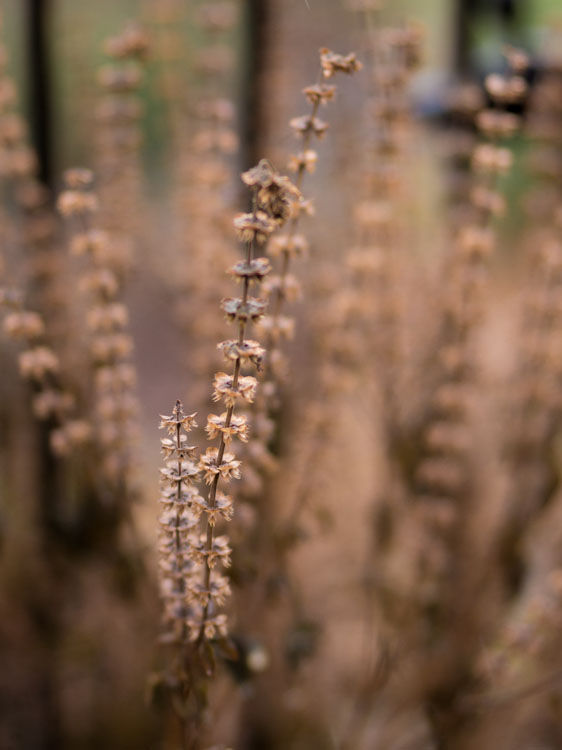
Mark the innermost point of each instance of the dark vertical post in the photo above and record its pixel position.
(258, 18)
(39, 107)
(39, 85)
(464, 12)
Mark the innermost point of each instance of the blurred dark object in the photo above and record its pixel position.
(509, 13)
(39, 85)
(253, 125)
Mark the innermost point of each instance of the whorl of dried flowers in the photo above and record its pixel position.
(533, 430)
(110, 343)
(192, 587)
(282, 286)
(119, 137)
(360, 325)
(443, 475)
(53, 402)
(273, 196)
(539, 411)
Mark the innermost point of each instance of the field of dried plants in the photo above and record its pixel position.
(281, 390)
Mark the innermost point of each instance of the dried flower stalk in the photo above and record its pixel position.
(110, 343)
(192, 589)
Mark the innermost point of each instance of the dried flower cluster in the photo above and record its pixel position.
(282, 286)
(119, 114)
(109, 342)
(40, 365)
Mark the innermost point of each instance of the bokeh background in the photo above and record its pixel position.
(337, 642)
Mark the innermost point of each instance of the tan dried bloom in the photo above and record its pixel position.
(238, 427)
(371, 213)
(78, 178)
(106, 318)
(306, 124)
(75, 202)
(262, 175)
(213, 627)
(120, 79)
(221, 110)
(319, 93)
(51, 402)
(366, 260)
(73, 433)
(218, 552)
(111, 346)
(23, 325)
(222, 508)
(294, 245)
(217, 591)
(276, 194)
(505, 90)
(177, 419)
(176, 475)
(117, 377)
(288, 287)
(177, 449)
(333, 63)
(173, 524)
(303, 161)
(488, 200)
(227, 469)
(254, 271)
(118, 407)
(252, 227)
(236, 309)
(102, 282)
(131, 43)
(224, 388)
(492, 159)
(247, 350)
(119, 111)
(277, 327)
(476, 241)
(94, 241)
(497, 124)
(38, 362)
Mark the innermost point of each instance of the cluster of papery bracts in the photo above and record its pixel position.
(192, 588)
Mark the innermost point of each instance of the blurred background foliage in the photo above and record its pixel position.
(81, 645)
